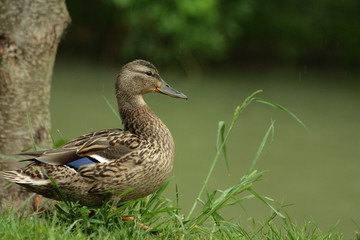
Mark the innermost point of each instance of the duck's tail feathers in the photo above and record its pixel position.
(19, 177)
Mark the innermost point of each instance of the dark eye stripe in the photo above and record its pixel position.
(155, 75)
(146, 64)
(143, 72)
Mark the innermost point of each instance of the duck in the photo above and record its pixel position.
(128, 163)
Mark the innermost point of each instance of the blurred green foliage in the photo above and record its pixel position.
(320, 31)
(189, 31)
(166, 30)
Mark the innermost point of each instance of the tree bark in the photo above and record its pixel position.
(30, 31)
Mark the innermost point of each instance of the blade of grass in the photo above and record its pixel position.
(282, 108)
(58, 190)
(237, 112)
(112, 108)
(26, 202)
(219, 139)
(9, 157)
(31, 131)
(215, 204)
(177, 199)
(262, 199)
(262, 145)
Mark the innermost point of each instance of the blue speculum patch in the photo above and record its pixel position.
(81, 162)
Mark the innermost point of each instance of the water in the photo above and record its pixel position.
(316, 170)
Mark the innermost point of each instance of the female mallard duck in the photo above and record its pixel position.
(86, 169)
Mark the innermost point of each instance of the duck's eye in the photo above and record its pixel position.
(149, 73)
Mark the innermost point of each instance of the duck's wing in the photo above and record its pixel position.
(100, 146)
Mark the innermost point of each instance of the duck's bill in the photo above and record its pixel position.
(166, 89)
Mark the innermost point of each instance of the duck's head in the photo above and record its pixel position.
(140, 77)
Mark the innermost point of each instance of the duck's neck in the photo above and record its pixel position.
(139, 119)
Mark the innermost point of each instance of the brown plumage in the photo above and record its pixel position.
(86, 169)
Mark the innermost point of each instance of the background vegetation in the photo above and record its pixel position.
(322, 32)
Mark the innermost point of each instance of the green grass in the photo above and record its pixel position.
(76, 222)
(204, 221)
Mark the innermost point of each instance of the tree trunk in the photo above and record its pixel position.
(30, 31)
